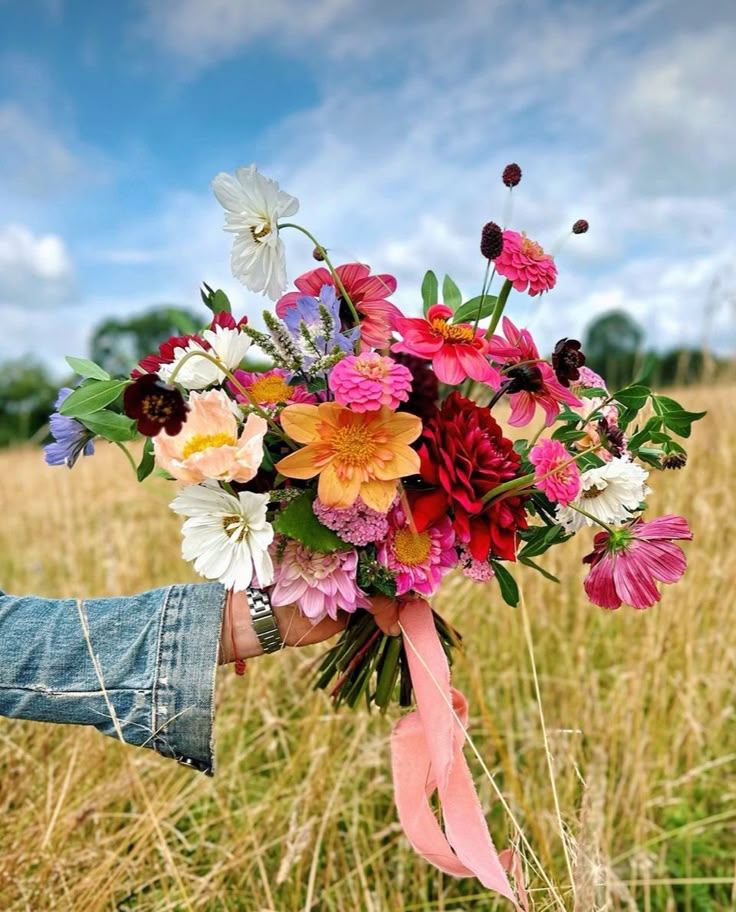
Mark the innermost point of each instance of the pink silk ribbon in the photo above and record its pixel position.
(427, 755)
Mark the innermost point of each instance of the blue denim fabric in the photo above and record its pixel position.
(157, 655)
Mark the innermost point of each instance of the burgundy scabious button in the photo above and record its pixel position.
(567, 359)
(491, 241)
(155, 405)
(511, 175)
(580, 227)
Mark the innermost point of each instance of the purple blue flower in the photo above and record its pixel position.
(320, 318)
(71, 437)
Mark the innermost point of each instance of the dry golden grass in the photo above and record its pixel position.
(638, 709)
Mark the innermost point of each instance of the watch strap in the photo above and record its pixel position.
(264, 622)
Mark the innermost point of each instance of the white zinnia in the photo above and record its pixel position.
(253, 206)
(226, 537)
(229, 345)
(609, 493)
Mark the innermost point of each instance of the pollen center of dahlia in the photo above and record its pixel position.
(592, 491)
(200, 442)
(452, 332)
(235, 527)
(412, 548)
(532, 249)
(271, 389)
(353, 445)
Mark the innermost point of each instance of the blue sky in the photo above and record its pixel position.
(391, 123)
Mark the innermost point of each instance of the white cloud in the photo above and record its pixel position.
(36, 271)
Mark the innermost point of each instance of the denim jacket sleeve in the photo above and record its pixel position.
(153, 678)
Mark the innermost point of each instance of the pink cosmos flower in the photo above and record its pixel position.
(208, 445)
(269, 389)
(626, 566)
(358, 524)
(534, 381)
(368, 293)
(367, 381)
(320, 584)
(456, 351)
(553, 472)
(525, 264)
(419, 559)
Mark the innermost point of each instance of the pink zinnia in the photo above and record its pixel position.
(419, 559)
(525, 264)
(368, 293)
(455, 349)
(358, 524)
(535, 382)
(367, 381)
(269, 389)
(554, 473)
(319, 584)
(626, 566)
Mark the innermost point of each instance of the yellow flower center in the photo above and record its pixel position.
(271, 389)
(200, 442)
(412, 548)
(373, 368)
(258, 234)
(235, 527)
(353, 445)
(452, 332)
(532, 249)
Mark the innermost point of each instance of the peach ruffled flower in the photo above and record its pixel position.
(208, 446)
(354, 453)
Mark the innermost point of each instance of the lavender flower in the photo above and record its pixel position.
(314, 324)
(71, 437)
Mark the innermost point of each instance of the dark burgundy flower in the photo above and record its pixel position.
(155, 405)
(567, 359)
(673, 460)
(526, 378)
(425, 387)
(511, 175)
(612, 437)
(580, 227)
(464, 455)
(491, 241)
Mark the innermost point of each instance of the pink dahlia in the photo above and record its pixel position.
(269, 389)
(320, 584)
(529, 381)
(368, 293)
(456, 350)
(358, 524)
(525, 264)
(367, 381)
(554, 473)
(419, 559)
(626, 565)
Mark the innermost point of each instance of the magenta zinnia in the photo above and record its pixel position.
(367, 381)
(554, 472)
(626, 565)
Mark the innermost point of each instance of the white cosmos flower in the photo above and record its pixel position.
(229, 345)
(226, 537)
(253, 206)
(610, 493)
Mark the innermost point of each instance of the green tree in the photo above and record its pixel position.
(612, 346)
(27, 396)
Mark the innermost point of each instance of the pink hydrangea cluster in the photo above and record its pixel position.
(478, 571)
(367, 381)
(588, 379)
(358, 524)
(525, 264)
(553, 472)
(319, 584)
(419, 559)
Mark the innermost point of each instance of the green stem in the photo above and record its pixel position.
(333, 272)
(520, 482)
(483, 293)
(498, 309)
(128, 455)
(595, 519)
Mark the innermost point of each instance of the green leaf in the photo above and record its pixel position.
(110, 425)
(92, 397)
(145, 466)
(509, 589)
(217, 301)
(451, 294)
(297, 520)
(634, 396)
(86, 368)
(430, 288)
(545, 573)
(468, 312)
(593, 393)
(674, 416)
(642, 436)
(540, 540)
(567, 434)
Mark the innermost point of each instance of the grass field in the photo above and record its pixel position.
(639, 709)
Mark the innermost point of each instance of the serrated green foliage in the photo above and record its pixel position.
(111, 425)
(430, 290)
(472, 310)
(86, 368)
(297, 520)
(92, 396)
(451, 294)
(147, 463)
(507, 584)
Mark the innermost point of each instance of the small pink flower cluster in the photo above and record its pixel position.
(358, 524)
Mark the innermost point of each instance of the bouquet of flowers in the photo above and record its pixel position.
(366, 459)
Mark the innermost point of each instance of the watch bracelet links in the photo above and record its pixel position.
(264, 622)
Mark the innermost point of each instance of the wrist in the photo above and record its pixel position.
(238, 638)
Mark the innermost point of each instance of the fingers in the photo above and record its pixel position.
(385, 610)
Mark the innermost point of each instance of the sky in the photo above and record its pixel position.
(391, 123)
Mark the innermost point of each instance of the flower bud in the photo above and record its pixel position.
(491, 241)
(511, 175)
(673, 460)
(318, 255)
(580, 227)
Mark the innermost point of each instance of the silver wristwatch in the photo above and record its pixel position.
(264, 623)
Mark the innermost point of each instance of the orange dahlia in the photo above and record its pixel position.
(354, 453)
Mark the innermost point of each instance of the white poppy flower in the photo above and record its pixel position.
(226, 537)
(609, 493)
(253, 206)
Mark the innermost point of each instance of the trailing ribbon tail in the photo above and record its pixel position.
(427, 755)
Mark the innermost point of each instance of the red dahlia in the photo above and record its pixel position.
(463, 456)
